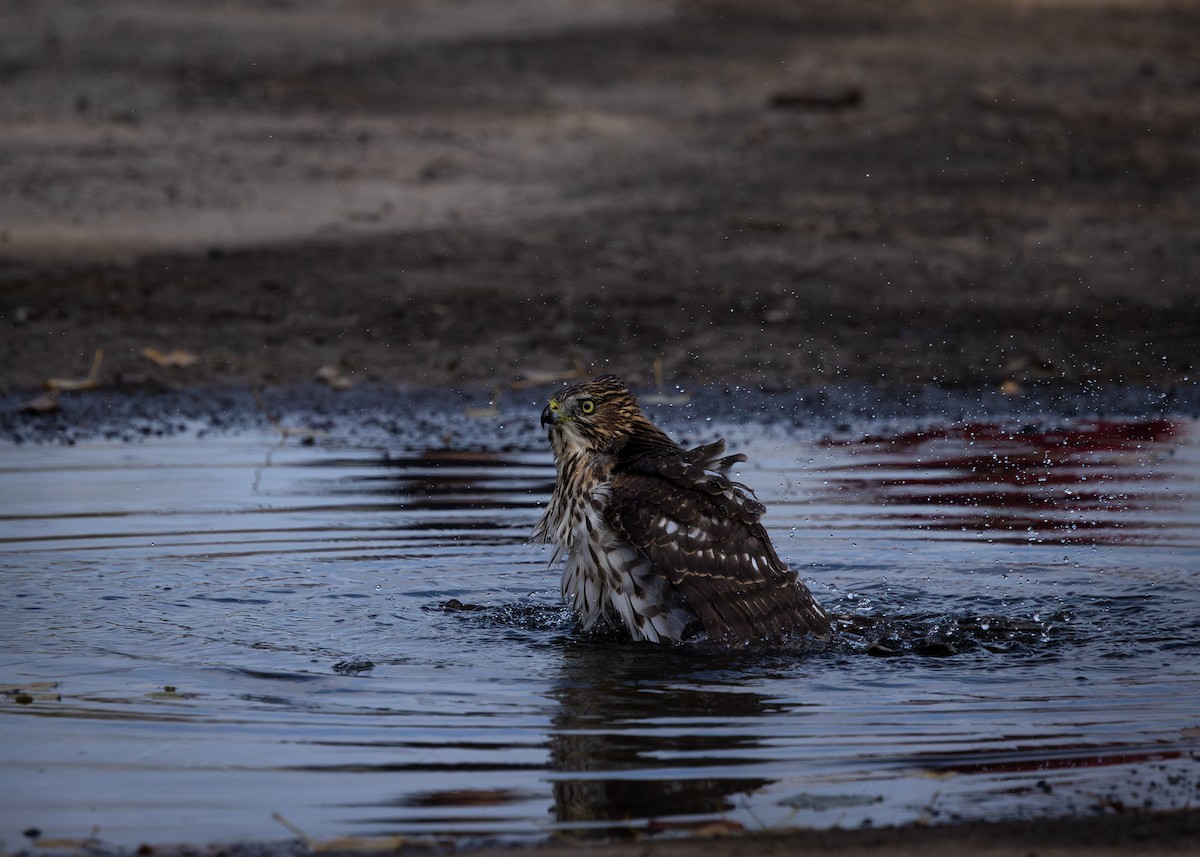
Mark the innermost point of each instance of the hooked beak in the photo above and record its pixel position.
(549, 417)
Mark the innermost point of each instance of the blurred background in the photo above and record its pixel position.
(443, 192)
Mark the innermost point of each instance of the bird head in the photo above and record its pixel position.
(595, 416)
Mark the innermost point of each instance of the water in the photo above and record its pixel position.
(187, 621)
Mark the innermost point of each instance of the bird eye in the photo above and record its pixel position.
(587, 406)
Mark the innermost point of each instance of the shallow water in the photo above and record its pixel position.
(185, 621)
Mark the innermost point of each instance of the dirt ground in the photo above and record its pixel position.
(1113, 835)
(445, 192)
(760, 191)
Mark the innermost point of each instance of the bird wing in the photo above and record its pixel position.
(701, 532)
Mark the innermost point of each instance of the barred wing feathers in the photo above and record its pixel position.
(701, 531)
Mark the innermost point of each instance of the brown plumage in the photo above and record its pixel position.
(657, 537)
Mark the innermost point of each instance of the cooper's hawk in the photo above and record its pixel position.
(657, 537)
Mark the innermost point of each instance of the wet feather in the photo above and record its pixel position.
(658, 538)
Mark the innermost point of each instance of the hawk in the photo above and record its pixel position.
(658, 538)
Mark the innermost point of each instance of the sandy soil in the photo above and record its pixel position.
(760, 191)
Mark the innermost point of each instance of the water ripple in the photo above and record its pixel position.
(1017, 604)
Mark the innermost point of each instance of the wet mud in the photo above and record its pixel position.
(484, 415)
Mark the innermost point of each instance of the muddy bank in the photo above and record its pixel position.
(1119, 833)
(895, 193)
(500, 417)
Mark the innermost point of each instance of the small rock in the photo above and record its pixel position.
(354, 665)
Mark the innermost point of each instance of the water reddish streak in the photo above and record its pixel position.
(1059, 480)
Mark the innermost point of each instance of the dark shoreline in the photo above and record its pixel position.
(384, 412)
(1116, 831)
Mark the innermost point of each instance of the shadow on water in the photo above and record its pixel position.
(362, 639)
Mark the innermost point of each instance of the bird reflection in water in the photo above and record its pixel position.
(642, 735)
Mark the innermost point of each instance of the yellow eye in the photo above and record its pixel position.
(587, 406)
